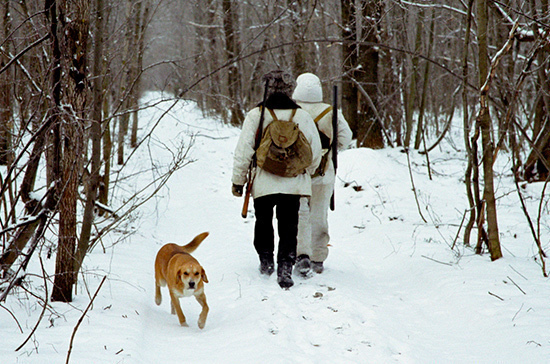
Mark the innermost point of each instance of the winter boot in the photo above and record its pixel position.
(266, 265)
(303, 265)
(317, 267)
(284, 275)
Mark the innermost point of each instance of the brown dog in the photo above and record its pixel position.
(184, 276)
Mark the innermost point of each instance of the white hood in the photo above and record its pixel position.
(308, 88)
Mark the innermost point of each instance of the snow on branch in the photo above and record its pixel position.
(437, 6)
(496, 59)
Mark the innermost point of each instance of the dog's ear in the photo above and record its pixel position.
(203, 276)
(178, 275)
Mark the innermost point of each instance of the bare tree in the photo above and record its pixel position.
(483, 122)
(231, 50)
(93, 181)
(6, 112)
(73, 16)
(350, 52)
(369, 130)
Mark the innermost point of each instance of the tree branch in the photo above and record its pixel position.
(82, 318)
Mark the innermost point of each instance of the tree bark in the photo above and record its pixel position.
(369, 130)
(74, 16)
(420, 127)
(6, 112)
(484, 122)
(471, 188)
(142, 20)
(297, 24)
(350, 93)
(92, 183)
(231, 50)
(534, 168)
(412, 94)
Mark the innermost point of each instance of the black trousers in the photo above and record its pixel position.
(286, 208)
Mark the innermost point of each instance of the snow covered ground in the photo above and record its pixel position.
(396, 289)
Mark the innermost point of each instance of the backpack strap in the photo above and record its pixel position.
(275, 116)
(321, 115)
(292, 114)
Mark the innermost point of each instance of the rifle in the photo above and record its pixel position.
(252, 168)
(334, 146)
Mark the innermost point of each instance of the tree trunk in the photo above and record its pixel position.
(126, 94)
(6, 112)
(142, 20)
(231, 50)
(470, 187)
(32, 206)
(74, 16)
(484, 122)
(107, 152)
(411, 97)
(299, 54)
(534, 167)
(92, 183)
(420, 127)
(350, 93)
(369, 130)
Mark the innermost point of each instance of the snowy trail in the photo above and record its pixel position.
(393, 290)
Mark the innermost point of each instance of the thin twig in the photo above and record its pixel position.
(494, 295)
(13, 316)
(511, 280)
(513, 318)
(460, 228)
(30, 46)
(515, 270)
(437, 261)
(82, 318)
(43, 308)
(413, 187)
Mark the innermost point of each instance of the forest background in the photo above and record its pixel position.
(72, 74)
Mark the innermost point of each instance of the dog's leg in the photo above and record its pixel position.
(158, 295)
(204, 313)
(176, 306)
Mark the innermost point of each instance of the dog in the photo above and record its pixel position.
(184, 276)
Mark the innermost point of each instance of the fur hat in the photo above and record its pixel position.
(308, 88)
(279, 81)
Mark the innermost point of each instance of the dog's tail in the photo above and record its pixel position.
(194, 244)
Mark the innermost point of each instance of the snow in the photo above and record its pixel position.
(396, 289)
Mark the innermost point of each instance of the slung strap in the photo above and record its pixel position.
(275, 116)
(292, 114)
(321, 115)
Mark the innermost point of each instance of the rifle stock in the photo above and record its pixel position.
(334, 146)
(244, 211)
(252, 167)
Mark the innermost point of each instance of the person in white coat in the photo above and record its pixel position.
(271, 191)
(313, 232)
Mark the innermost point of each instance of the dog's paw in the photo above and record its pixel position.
(184, 324)
(202, 323)
(158, 300)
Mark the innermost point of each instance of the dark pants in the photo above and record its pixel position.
(286, 208)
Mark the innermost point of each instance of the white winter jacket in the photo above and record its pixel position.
(266, 183)
(344, 136)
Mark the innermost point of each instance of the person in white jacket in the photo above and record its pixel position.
(270, 191)
(313, 234)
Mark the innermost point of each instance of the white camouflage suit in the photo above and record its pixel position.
(313, 234)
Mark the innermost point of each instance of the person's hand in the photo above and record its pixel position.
(237, 190)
